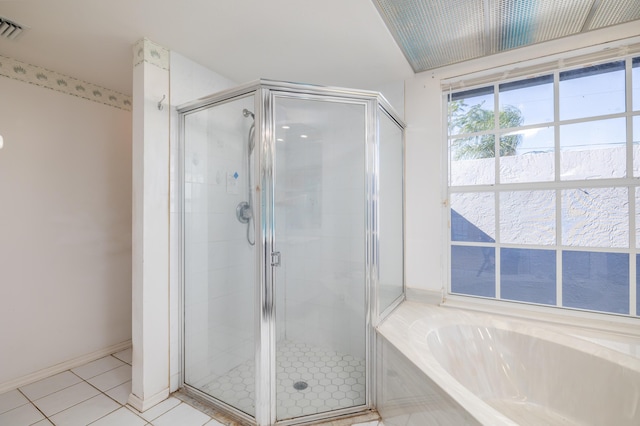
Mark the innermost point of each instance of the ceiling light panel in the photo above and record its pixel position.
(612, 12)
(520, 23)
(433, 33)
(512, 24)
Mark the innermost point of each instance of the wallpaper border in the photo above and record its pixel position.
(22, 71)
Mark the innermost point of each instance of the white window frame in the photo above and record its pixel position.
(558, 185)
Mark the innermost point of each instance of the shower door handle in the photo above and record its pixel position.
(275, 258)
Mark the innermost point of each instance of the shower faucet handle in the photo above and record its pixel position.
(244, 212)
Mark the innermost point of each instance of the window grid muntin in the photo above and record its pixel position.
(629, 182)
(605, 72)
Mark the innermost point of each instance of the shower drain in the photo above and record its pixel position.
(300, 385)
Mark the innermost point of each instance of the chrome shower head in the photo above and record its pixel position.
(248, 113)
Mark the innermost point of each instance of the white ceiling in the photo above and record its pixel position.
(329, 42)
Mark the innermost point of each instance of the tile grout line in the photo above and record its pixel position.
(105, 392)
(100, 392)
(32, 404)
(76, 404)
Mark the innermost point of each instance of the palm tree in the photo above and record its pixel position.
(478, 119)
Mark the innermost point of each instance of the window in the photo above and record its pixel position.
(544, 191)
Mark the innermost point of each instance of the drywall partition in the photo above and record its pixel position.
(65, 229)
(150, 256)
(426, 224)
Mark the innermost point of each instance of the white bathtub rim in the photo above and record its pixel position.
(574, 338)
(428, 364)
(584, 340)
(410, 336)
(598, 322)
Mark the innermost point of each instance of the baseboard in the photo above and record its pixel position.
(143, 405)
(64, 366)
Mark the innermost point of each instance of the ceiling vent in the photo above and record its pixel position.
(10, 29)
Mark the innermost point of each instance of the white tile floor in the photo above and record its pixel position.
(95, 394)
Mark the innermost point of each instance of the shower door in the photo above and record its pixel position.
(320, 295)
(220, 252)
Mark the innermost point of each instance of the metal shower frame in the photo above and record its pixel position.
(265, 92)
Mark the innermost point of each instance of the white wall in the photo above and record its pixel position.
(423, 184)
(393, 92)
(65, 228)
(425, 221)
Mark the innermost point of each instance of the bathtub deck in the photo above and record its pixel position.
(528, 414)
(479, 362)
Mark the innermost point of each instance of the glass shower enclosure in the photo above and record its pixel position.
(292, 244)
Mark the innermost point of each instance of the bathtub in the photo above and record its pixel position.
(446, 366)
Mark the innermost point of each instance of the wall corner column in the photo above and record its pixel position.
(150, 227)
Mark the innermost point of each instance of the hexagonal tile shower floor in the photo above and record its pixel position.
(334, 380)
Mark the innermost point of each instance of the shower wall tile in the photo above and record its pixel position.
(188, 81)
(218, 255)
(196, 261)
(343, 249)
(200, 327)
(299, 268)
(195, 223)
(341, 226)
(320, 261)
(199, 198)
(343, 201)
(217, 337)
(239, 248)
(221, 284)
(322, 311)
